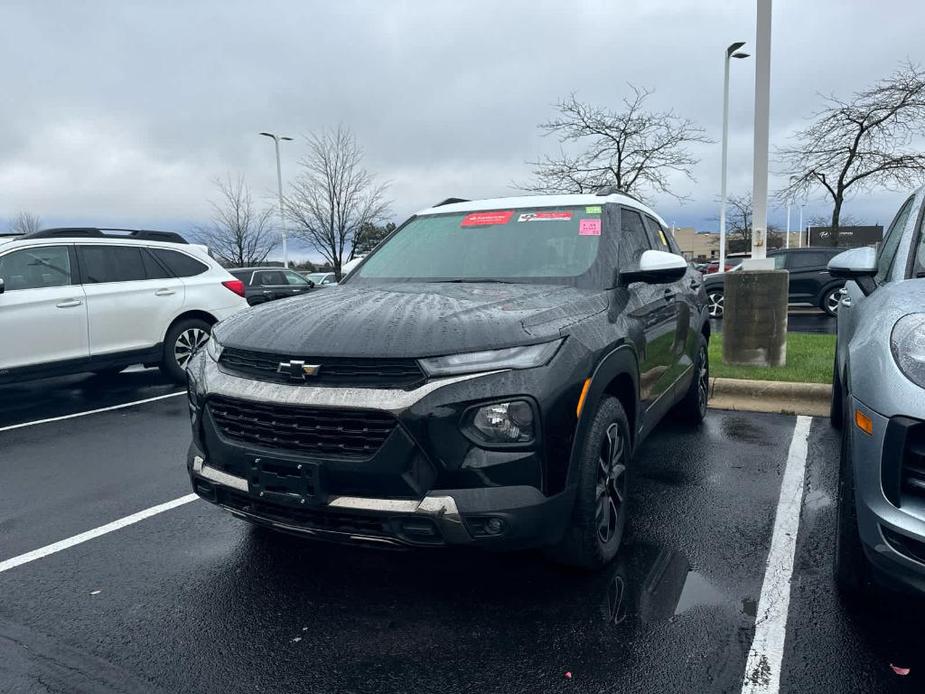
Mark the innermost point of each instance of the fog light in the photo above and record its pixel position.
(505, 422)
(494, 526)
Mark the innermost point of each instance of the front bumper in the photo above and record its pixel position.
(893, 537)
(497, 517)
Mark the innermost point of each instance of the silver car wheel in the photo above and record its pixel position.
(188, 343)
(715, 304)
(833, 300)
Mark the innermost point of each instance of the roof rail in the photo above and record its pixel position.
(613, 190)
(450, 201)
(95, 232)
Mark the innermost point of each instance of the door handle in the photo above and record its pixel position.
(70, 303)
(164, 292)
(695, 284)
(669, 295)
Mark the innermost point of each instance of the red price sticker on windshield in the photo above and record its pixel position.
(481, 219)
(589, 227)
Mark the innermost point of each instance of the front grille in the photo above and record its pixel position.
(335, 521)
(333, 371)
(913, 470)
(354, 434)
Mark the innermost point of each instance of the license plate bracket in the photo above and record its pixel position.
(295, 483)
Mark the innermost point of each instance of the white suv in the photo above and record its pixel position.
(74, 300)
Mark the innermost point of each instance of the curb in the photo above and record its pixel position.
(779, 397)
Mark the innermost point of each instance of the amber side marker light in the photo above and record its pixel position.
(581, 398)
(863, 422)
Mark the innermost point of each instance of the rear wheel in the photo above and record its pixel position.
(715, 303)
(183, 340)
(599, 516)
(693, 407)
(832, 300)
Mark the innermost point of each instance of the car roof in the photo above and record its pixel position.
(565, 200)
(194, 249)
(255, 269)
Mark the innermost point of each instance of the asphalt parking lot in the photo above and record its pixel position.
(191, 599)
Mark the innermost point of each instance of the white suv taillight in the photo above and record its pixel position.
(237, 286)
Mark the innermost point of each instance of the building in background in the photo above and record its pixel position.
(846, 237)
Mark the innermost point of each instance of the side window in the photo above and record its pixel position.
(101, 264)
(633, 237)
(295, 278)
(271, 278)
(802, 261)
(890, 244)
(153, 269)
(34, 268)
(658, 236)
(180, 264)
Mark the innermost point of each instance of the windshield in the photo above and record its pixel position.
(506, 245)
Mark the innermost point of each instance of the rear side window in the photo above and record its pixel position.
(180, 264)
(34, 268)
(890, 244)
(100, 264)
(270, 278)
(153, 269)
(799, 261)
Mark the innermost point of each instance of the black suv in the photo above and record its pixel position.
(262, 284)
(810, 281)
(482, 378)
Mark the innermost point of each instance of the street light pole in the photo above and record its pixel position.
(800, 237)
(279, 185)
(731, 52)
(762, 127)
(789, 203)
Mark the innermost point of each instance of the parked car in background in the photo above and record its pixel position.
(811, 283)
(500, 362)
(87, 299)
(322, 279)
(262, 284)
(878, 400)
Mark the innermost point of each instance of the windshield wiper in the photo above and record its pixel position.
(474, 280)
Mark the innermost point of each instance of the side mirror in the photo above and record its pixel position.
(655, 267)
(311, 285)
(858, 264)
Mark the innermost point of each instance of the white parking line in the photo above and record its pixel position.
(84, 414)
(762, 671)
(8, 564)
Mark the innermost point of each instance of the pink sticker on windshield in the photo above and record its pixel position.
(589, 227)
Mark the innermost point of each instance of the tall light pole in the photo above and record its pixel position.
(279, 185)
(762, 128)
(789, 202)
(800, 236)
(731, 52)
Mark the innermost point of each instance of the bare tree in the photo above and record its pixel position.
(25, 223)
(635, 149)
(334, 196)
(240, 234)
(862, 142)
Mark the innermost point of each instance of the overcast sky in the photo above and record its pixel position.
(121, 113)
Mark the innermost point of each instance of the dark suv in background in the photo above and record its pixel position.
(811, 284)
(262, 284)
(482, 378)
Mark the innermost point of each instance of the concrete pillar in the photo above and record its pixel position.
(755, 318)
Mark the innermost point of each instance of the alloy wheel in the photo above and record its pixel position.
(715, 304)
(611, 484)
(833, 300)
(188, 343)
(703, 380)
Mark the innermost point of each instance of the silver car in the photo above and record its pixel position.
(878, 399)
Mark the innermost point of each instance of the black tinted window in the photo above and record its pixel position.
(178, 263)
(269, 278)
(111, 264)
(243, 276)
(153, 269)
(798, 261)
(32, 268)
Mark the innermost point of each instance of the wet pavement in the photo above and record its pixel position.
(195, 600)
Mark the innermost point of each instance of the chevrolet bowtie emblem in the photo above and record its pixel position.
(298, 370)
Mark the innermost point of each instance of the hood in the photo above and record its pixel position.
(410, 320)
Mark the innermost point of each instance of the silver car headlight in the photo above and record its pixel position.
(214, 347)
(908, 346)
(525, 357)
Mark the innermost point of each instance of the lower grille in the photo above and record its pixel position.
(350, 523)
(332, 371)
(353, 434)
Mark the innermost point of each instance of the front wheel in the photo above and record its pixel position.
(183, 340)
(598, 519)
(852, 570)
(715, 303)
(832, 300)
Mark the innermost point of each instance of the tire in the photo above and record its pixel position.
(716, 303)
(851, 567)
(693, 406)
(837, 405)
(831, 300)
(184, 338)
(598, 519)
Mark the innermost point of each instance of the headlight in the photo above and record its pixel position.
(214, 347)
(503, 422)
(525, 357)
(908, 346)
